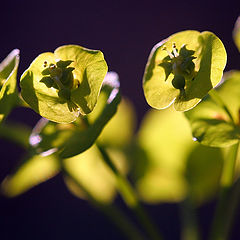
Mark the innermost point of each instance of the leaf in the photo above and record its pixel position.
(8, 83)
(164, 139)
(120, 129)
(229, 91)
(202, 71)
(77, 81)
(236, 33)
(32, 171)
(88, 175)
(215, 133)
(210, 124)
(203, 172)
(168, 164)
(18, 133)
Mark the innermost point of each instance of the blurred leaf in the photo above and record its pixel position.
(229, 91)
(8, 83)
(203, 172)
(236, 33)
(215, 133)
(62, 100)
(18, 133)
(210, 123)
(169, 156)
(33, 171)
(164, 153)
(120, 129)
(87, 173)
(210, 60)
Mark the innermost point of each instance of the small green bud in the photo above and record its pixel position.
(178, 82)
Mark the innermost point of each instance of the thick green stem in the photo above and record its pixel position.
(190, 229)
(111, 211)
(216, 98)
(130, 197)
(227, 198)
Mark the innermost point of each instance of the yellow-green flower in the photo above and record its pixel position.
(61, 85)
(183, 69)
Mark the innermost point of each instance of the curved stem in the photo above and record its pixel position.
(130, 197)
(227, 198)
(111, 211)
(216, 98)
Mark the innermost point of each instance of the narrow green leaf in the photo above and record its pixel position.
(113, 135)
(8, 83)
(15, 132)
(33, 171)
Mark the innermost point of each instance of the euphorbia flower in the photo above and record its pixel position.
(61, 85)
(183, 69)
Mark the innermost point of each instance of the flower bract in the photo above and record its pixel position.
(61, 85)
(183, 69)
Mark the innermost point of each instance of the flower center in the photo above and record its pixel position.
(180, 64)
(60, 77)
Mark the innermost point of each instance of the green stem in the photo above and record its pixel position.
(216, 98)
(130, 197)
(111, 211)
(190, 229)
(227, 198)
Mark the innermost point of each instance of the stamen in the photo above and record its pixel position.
(175, 50)
(45, 64)
(169, 53)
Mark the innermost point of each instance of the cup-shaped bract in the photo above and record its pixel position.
(183, 69)
(61, 85)
(8, 83)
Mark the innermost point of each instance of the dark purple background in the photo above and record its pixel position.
(125, 31)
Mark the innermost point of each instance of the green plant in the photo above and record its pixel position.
(87, 132)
